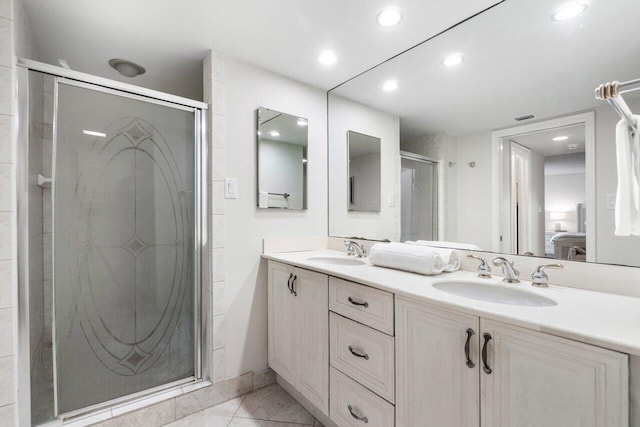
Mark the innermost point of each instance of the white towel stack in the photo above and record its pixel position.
(627, 213)
(413, 258)
(450, 256)
(449, 245)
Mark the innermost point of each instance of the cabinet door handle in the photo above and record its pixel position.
(486, 368)
(293, 286)
(357, 417)
(362, 304)
(467, 343)
(289, 283)
(355, 353)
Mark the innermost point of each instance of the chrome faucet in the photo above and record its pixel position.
(484, 270)
(354, 249)
(511, 275)
(539, 278)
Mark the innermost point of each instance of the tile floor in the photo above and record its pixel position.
(270, 406)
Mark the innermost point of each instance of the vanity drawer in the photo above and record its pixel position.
(351, 403)
(361, 303)
(364, 354)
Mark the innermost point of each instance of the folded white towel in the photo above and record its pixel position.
(413, 258)
(450, 256)
(627, 213)
(450, 245)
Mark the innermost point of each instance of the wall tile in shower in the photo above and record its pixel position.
(6, 49)
(6, 148)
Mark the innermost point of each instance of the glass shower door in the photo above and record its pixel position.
(123, 239)
(419, 199)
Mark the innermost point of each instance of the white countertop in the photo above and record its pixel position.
(602, 319)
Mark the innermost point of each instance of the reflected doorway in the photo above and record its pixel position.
(546, 189)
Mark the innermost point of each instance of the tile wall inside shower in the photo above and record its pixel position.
(41, 107)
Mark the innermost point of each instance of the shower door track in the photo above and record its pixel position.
(130, 402)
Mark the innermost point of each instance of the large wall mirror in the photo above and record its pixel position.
(282, 160)
(491, 135)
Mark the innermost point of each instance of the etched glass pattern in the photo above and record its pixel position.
(123, 245)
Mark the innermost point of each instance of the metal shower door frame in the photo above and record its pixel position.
(200, 248)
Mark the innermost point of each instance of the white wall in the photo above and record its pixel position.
(537, 203)
(346, 115)
(610, 248)
(562, 194)
(365, 171)
(472, 199)
(281, 171)
(245, 295)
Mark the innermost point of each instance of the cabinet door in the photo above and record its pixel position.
(539, 380)
(281, 321)
(312, 336)
(434, 385)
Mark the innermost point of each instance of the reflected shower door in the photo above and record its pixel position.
(123, 268)
(419, 199)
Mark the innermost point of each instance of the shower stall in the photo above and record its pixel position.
(419, 197)
(111, 241)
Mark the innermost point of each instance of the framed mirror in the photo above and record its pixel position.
(364, 172)
(282, 160)
(503, 105)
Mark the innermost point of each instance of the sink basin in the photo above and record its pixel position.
(494, 293)
(336, 260)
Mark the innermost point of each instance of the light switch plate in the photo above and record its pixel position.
(610, 203)
(391, 200)
(230, 188)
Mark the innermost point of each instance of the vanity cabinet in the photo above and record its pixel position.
(298, 341)
(435, 387)
(457, 370)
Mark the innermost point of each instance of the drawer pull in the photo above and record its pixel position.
(470, 333)
(357, 417)
(486, 368)
(362, 304)
(293, 284)
(355, 353)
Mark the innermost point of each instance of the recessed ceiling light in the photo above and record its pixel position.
(572, 146)
(569, 10)
(301, 122)
(389, 16)
(560, 138)
(390, 85)
(453, 60)
(327, 57)
(94, 133)
(274, 133)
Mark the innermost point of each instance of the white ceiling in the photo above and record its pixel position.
(362, 145)
(285, 124)
(169, 38)
(542, 142)
(518, 61)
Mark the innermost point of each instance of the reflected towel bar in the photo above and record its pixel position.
(285, 195)
(611, 92)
